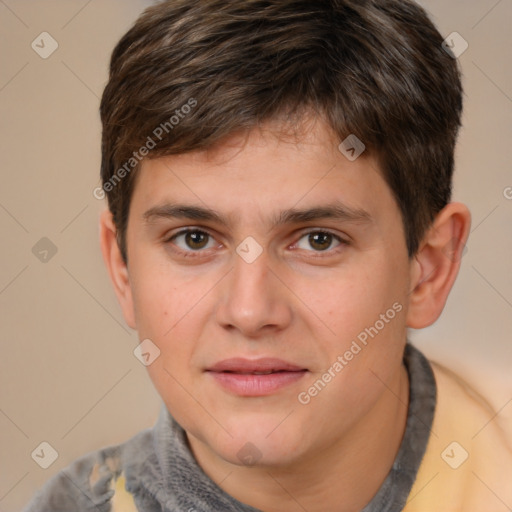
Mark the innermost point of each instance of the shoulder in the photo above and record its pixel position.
(468, 463)
(94, 482)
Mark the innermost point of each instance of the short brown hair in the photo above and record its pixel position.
(372, 68)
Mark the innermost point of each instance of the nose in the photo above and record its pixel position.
(254, 300)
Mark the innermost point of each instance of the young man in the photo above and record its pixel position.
(278, 176)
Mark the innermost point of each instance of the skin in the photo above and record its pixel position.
(296, 302)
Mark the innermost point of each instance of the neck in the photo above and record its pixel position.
(343, 478)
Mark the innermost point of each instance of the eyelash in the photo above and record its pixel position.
(197, 253)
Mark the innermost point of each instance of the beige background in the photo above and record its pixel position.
(68, 374)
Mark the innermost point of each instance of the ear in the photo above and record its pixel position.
(116, 267)
(436, 265)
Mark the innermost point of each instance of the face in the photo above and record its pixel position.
(273, 277)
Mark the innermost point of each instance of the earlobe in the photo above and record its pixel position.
(436, 265)
(116, 267)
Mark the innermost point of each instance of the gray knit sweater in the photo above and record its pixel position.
(163, 476)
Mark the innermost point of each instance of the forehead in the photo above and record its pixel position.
(264, 173)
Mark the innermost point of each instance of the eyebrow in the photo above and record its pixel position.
(336, 211)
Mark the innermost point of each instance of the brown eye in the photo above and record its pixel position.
(319, 241)
(196, 239)
(192, 240)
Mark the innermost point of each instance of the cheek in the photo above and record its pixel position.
(169, 312)
(369, 309)
(152, 304)
(161, 300)
(359, 298)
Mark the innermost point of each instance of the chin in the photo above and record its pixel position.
(250, 437)
(258, 444)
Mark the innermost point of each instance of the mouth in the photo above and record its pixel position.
(260, 377)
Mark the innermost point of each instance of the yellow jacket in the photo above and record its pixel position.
(467, 466)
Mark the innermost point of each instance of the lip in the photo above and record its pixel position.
(256, 377)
